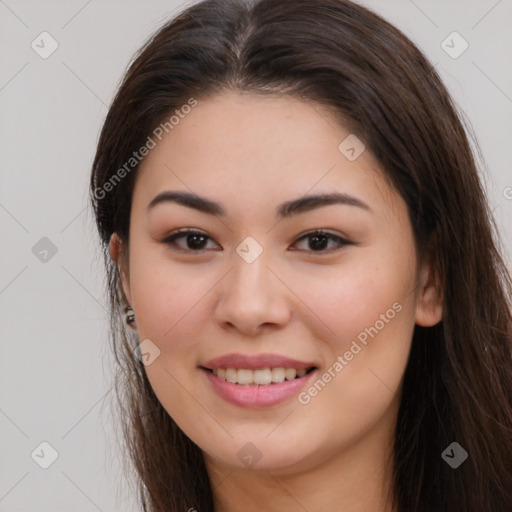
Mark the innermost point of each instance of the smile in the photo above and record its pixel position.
(261, 377)
(250, 392)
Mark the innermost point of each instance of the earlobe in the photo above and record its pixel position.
(115, 248)
(429, 303)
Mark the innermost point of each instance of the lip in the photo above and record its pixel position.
(254, 396)
(256, 362)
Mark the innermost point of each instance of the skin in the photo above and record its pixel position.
(251, 153)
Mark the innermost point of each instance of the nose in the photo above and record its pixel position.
(252, 298)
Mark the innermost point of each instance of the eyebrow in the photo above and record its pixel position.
(284, 210)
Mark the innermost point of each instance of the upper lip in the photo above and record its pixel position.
(256, 362)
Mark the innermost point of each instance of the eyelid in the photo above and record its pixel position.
(319, 231)
(180, 233)
(323, 232)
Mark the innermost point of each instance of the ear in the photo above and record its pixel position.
(429, 300)
(116, 253)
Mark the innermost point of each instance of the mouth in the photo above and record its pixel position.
(260, 388)
(259, 377)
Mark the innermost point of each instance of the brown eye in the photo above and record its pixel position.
(319, 241)
(195, 241)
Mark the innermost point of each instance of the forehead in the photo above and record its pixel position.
(251, 147)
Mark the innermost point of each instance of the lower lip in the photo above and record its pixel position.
(257, 396)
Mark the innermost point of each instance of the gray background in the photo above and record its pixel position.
(55, 368)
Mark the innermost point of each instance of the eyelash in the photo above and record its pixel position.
(170, 240)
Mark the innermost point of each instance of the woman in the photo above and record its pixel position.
(317, 316)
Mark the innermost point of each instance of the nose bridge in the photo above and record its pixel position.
(250, 279)
(251, 295)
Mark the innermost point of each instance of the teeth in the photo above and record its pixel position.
(291, 373)
(278, 374)
(231, 375)
(245, 376)
(261, 377)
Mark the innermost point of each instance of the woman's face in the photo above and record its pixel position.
(253, 288)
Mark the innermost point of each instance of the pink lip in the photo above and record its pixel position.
(255, 396)
(256, 362)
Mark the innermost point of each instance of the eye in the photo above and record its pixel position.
(195, 241)
(319, 240)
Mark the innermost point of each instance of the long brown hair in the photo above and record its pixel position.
(458, 381)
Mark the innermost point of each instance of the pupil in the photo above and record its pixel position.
(195, 245)
(324, 238)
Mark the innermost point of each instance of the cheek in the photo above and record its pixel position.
(371, 311)
(371, 315)
(170, 301)
(350, 297)
(171, 312)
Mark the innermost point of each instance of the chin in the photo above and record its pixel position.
(264, 455)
